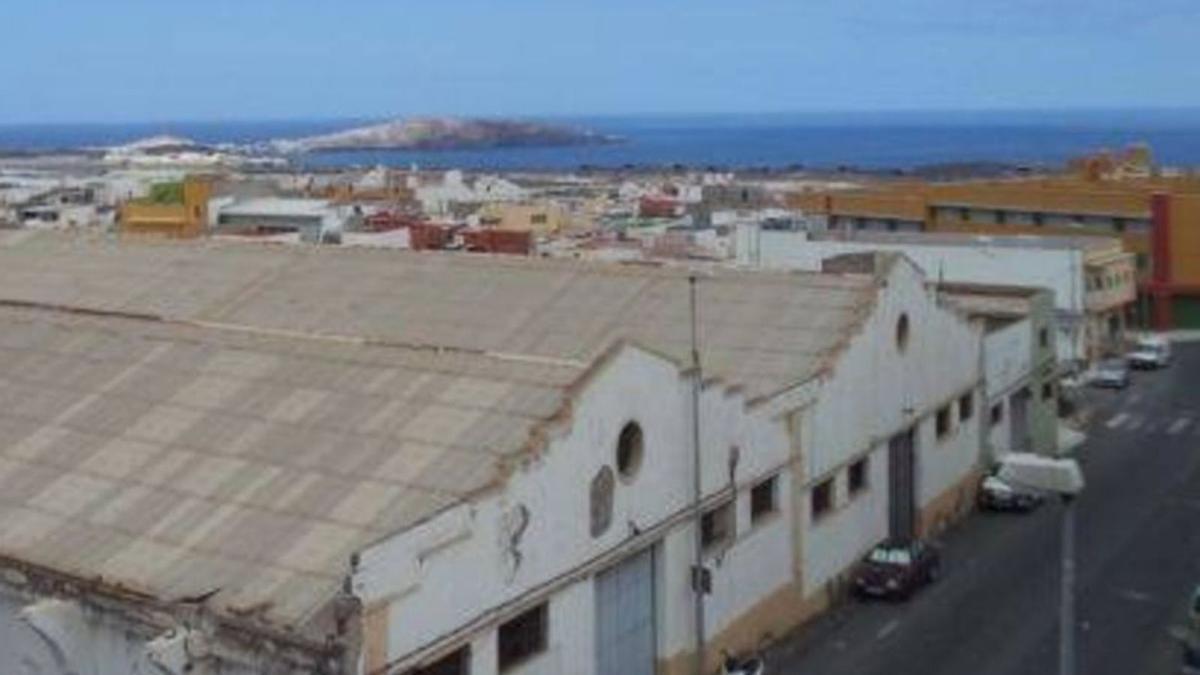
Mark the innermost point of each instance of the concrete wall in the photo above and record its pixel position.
(1060, 270)
(454, 579)
(876, 391)
(436, 578)
(1008, 363)
(49, 636)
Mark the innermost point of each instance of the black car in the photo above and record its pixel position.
(895, 569)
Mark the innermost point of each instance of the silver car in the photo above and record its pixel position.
(1111, 374)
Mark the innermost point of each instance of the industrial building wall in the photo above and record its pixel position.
(879, 388)
(1008, 365)
(1060, 270)
(54, 636)
(531, 541)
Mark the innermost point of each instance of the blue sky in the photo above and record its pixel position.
(151, 60)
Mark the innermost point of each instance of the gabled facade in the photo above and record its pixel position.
(795, 488)
(297, 460)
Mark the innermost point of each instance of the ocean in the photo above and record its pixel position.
(877, 141)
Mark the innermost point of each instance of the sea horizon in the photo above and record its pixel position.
(866, 139)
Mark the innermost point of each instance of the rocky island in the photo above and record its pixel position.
(443, 134)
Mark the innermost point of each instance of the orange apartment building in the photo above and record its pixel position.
(1158, 219)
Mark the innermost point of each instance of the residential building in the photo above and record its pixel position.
(1157, 218)
(178, 210)
(1093, 279)
(316, 220)
(451, 190)
(244, 458)
(540, 218)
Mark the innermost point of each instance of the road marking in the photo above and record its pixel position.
(1117, 421)
(1178, 425)
(1136, 596)
(1136, 423)
(887, 629)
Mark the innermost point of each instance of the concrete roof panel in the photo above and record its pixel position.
(287, 405)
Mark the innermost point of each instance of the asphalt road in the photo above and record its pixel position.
(995, 612)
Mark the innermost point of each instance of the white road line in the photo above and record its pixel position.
(887, 629)
(1178, 425)
(1117, 421)
(1136, 596)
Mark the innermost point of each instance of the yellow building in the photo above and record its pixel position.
(539, 218)
(172, 210)
(1157, 219)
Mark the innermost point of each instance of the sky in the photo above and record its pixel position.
(155, 60)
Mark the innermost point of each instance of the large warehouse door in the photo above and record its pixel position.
(625, 632)
(902, 485)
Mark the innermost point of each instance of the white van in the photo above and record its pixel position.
(1150, 352)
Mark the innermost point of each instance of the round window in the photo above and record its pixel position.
(902, 330)
(629, 450)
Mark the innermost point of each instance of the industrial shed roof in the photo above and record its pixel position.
(240, 418)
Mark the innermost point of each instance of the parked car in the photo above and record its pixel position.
(895, 569)
(1111, 374)
(997, 495)
(1150, 353)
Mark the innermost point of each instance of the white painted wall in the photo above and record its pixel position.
(46, 636)
(1059, 269)
(1008, 359)
(463, 564)
(441, 578)
(876, 391)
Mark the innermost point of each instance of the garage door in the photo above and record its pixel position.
(625, 636)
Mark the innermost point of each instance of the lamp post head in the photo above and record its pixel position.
(1060, 476)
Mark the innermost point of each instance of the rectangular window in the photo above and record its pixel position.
(966, 406)
(1044, 337)
(943, 422)
(822, 499)
(1047, 391)
(522, 637)
(716, 526)
(456, 663)
(858, 476)
(997, 413)
(764, 500)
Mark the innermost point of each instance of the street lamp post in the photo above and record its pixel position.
(1064, 478)
(1066, 609)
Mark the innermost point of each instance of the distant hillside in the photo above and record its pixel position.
(443, 134)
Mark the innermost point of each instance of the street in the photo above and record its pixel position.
(995, 610)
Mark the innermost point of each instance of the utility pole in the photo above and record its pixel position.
(698, 584)
(1066, 609)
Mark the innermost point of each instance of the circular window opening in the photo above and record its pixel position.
(629, 450)
(902, 332)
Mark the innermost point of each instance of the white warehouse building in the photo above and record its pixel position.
(1093, 279)
(237, 458)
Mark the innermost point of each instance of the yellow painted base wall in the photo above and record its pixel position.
(772, 618)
